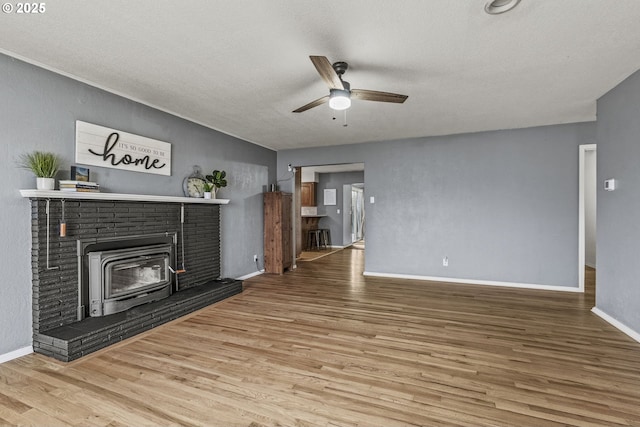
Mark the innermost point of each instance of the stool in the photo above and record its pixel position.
(313, 239)
(325, 237)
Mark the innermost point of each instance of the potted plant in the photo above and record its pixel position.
(217, 180)
(208, 187)
(44, 166)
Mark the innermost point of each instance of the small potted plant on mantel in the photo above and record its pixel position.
(207, 187)
(217, 181)
(44, 166)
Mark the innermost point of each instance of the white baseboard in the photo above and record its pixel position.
(475, 282)
(16, 353)
(616, 324)
(250, 275)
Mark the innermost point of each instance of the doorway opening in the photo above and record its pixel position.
(357, 216)
(326, 194)
(587, 189)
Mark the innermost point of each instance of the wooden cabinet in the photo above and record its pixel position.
(308, 194)
(278, 248)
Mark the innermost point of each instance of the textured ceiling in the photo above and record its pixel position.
(241, 67)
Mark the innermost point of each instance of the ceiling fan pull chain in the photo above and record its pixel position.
(345, 119)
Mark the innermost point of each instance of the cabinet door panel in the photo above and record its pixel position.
(308, 194)
(278, 246)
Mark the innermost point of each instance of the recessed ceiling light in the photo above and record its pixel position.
(495, 7)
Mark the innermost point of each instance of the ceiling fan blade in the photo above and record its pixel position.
(374, 95)
(312, 104)
(326, 71)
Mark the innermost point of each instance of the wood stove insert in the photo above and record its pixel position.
(116, 274)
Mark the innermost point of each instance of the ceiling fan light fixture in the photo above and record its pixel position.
(496, 7)
(340, 92)
(339, 99)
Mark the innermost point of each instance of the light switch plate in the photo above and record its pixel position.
(610, 184)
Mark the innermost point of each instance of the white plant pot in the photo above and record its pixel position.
(207, 194)
(45, 183)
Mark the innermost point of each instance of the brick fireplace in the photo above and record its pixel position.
(61, 327)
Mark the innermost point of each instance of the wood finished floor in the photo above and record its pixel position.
(325, 346)
(313, 255)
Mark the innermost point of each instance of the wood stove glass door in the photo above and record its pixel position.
(128, 276)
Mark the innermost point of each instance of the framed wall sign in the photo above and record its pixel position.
(110, 148)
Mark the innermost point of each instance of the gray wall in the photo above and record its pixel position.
(502, 206)
(334, 221)
(618, 130)
(38, 110)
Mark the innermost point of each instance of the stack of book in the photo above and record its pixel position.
(79, 186)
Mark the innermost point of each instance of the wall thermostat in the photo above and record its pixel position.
(610, 184)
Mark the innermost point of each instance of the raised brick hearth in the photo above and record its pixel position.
(57, 332)
(77, 339)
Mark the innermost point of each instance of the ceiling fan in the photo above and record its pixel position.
(340, 91)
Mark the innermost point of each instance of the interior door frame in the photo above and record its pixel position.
(582, 151)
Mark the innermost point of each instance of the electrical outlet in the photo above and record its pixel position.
(255, 258)
(445, 262)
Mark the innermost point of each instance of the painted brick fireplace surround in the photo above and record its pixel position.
(57, 332)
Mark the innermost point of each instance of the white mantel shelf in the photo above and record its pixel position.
(68, 195)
